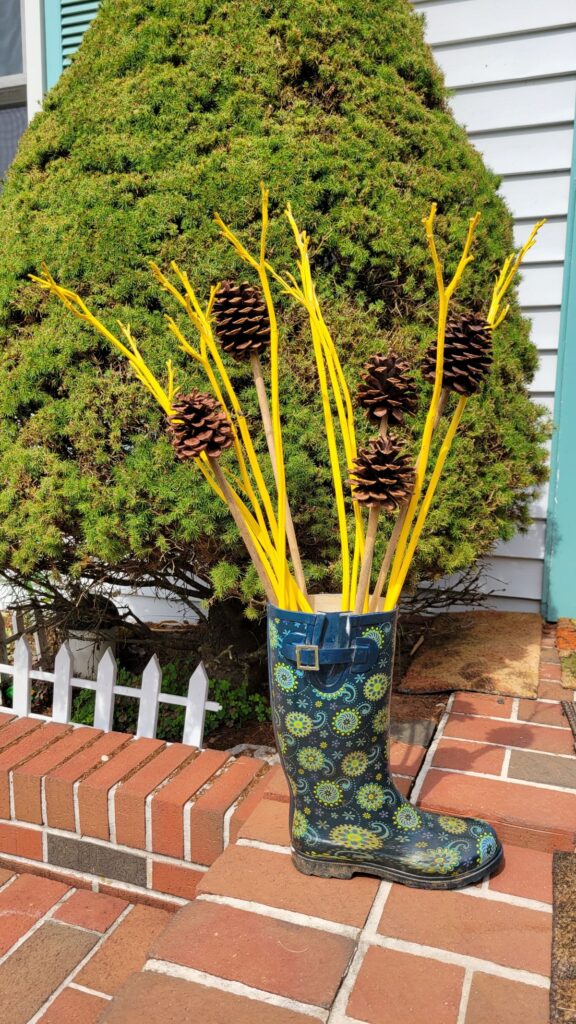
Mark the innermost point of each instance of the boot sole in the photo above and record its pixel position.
(337, 869)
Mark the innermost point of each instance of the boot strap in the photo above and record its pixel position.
(312, 657)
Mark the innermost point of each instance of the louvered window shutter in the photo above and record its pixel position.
(65, 22)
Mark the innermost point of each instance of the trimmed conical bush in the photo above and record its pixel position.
(169, 112)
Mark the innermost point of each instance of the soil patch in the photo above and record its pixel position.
(415, 712)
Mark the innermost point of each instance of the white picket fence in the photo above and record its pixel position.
(149, 694)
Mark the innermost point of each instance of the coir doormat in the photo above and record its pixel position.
(563, 987)
(491, 652)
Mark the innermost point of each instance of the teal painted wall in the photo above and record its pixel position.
(52, 41)
(559, 600)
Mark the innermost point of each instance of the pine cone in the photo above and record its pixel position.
(387, 389)
(198, 424)
(241, 319)
(382, 474)
(467, 354)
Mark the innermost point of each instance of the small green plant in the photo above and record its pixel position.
(239, 707)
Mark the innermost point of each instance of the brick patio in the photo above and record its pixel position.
(261, 942)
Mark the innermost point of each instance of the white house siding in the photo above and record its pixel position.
(511, 69)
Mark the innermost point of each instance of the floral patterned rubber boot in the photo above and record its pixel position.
(330, 679)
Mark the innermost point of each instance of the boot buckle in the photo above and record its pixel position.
(314, 650)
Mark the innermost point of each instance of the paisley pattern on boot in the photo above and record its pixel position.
(331, 728)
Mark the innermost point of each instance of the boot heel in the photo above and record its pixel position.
(322, 869)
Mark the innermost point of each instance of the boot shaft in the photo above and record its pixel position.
(330, 680)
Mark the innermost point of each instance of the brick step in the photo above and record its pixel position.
(148, 819)
(510, 762)
(541, 819)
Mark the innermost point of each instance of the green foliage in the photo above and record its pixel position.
(173, 109)
(239, 707)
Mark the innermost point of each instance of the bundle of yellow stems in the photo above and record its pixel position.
(263, 520)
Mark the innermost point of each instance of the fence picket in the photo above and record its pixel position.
(105, 683)
(22, 686)
(149, 694)
(62, 697)
(196, 707)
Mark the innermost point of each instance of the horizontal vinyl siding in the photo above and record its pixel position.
(511, 69)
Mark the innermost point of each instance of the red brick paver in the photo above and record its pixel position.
(168, 803)
(499, 999)
(175, 879)
(125, 951)
(93, 790)
(470, 925)
(271, 878)
(464, 756)
(23, 903)
(28, 776)
(259, 951)
(510, 734)
(162, 1000)
(130, 797)
(37, 967)
(21, 841)
(268, 824)
(20, 751)
(74, 1007)
(59, 784)
(526, 873)
(543, 819)
(90, 910)
(542, 712)
(398, 988)
(207, 813)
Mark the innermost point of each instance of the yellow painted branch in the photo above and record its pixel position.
(509, 270)
(78, 307)
(275, 400)
(366, 569)
(205, 363)
(444, 294)
(255, 555)
(341, 392)
(210, 348)
(317, 338)
(393, 596)
(269, 434)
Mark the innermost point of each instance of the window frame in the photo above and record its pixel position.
(13, 81)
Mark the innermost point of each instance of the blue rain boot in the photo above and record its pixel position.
(330, 676)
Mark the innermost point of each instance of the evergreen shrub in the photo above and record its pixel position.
(173, 109)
